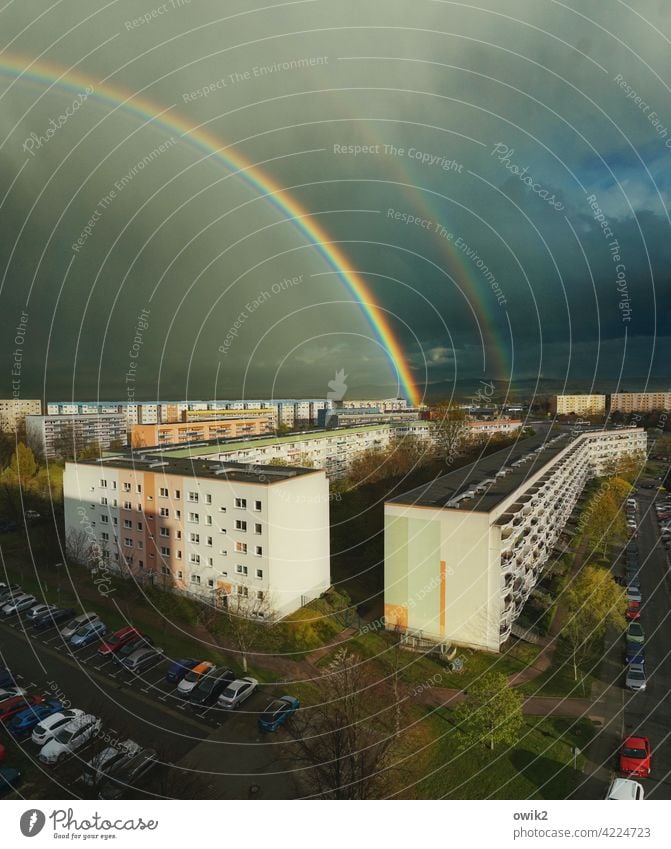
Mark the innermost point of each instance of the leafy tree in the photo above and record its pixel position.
(593, 603)
(492, 713)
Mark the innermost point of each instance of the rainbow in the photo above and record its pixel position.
(23, 69)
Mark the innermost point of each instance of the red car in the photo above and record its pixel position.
(633, 610)
(112, 644)
(16, 704)
(635, 757)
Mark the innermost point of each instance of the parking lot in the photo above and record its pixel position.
(233, 757)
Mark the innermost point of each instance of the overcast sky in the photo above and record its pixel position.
(509, 209)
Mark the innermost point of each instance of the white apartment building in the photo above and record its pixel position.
(581, 405)
(14, 410)
(640, 402)
(206, 528)
(48, 435)
(463, 552)
(385, 405)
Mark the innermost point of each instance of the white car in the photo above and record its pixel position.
(18, 604)
(9, 692)
(193, 677)
(236, 693)
(39, 610)
(69, 738)
(76, 623)
(31, 514)
(49, 726)
(624, 789)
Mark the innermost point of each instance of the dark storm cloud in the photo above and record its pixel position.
(493, 124)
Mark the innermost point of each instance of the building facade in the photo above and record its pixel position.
(50, 436)
(178, 433)
(463, 553)
(210, 529)
(581, 405)
(13, 412)
(640, 402)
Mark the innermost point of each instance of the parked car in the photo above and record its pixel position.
(49, 726)
(39, 610)
(53, 617)
(10, 779)
(69, 738)
(635, 679)
(636, 757)
(209, 688)
(633, 610)
(141, 658)
(624, 789)
(32, 514)
(278, 712)
(635, 633)
(15, 704)
(107, 759)
(631, 502)
(114, 642)
(24, 721)
(634, 594)
(8, 692)
(8, 591)
(6, 678)
(127, 774)
(132, 646)
(18, 604)
(178, 669)
(192, 678)
(635, 653)
(78, 622)
(237, 692)
(88, 634)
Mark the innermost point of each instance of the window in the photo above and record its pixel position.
(163, 492)
(194, 558)
(179, 554)
(193, 496)
(257, 506)
(257, 528)
(178, 534)
(210, 561)
(139, 526)
(241, 547)
(127, 523)
(140, 544)
(241, 503)
(127, 505)
(113, 484)
(126, 487)
(164, 532)
(141, 564)
(259, 596)
(165, 570)
(164, 511)
(240, 525)
(210, 582)
(194, 517)
(104, 536)
(208, 520)
(105, 519)
(241, 570)
(194, 537)
(258, 550)
(208, 498)
(103, 483)
(259, 573)
(115, 521)
(243, 591)
(138, 488)
(128, 542)
(222, 509)
(103, 501)
(179, 575)
(208, 541)
(178, 494)
(195, 579)
(165, 551)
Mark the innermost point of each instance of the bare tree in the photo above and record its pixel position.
(249, 615)
(77, 546)
(448, 426)
(347, 739)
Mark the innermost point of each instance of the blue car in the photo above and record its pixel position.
(10, 779)
(178, 669)
(27, 719)
(88, 633)
(635, 653)
(278, 712)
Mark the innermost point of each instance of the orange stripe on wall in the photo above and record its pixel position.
(442, 597)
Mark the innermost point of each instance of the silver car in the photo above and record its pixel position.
(140, 658)
(18, 604)
(236, 693)
(76, 623)
(635, 679)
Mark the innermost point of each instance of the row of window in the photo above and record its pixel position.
(193, 497)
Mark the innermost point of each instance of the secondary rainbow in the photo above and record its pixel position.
(24, 69)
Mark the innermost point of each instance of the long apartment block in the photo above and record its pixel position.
(51, 435)
(178, 433)
(209, 529)
(463, 552)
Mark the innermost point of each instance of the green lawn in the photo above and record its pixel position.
(540, 766)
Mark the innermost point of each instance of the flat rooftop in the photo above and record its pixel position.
(184, 467)
(539, 449)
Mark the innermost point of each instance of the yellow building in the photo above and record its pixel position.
(581, 405)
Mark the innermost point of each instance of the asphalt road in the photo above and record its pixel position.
(203, 752)
(649, 713)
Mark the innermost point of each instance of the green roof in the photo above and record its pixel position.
(224, 447)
